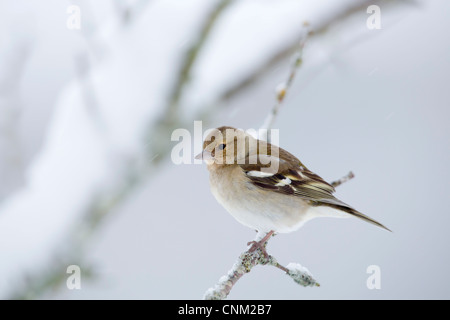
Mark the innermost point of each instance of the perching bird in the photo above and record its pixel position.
(265, 187)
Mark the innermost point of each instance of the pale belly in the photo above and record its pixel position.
(278, 212)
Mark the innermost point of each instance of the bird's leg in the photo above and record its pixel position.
(261, 244)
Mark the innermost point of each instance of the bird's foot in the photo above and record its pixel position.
(261, 245)
(255, 245)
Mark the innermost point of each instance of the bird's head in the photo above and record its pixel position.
(227, 146)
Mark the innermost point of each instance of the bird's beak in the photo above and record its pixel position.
(204, 155)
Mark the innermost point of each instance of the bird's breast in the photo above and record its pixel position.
(254, 207)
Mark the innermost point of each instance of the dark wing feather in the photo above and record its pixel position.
(293, 178)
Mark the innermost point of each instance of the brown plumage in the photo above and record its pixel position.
(267, 183)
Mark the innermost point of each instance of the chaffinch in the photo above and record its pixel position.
(265, 187)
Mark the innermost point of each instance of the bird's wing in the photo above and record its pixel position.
(289, 178)
(287, 175)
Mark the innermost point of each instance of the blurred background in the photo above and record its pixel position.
(90, 92)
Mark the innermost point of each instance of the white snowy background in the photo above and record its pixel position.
(77, 109)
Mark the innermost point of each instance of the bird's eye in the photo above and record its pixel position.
(221, 146)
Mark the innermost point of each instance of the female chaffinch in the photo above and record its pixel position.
(265, 187)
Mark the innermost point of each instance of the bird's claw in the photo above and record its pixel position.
(255, 245)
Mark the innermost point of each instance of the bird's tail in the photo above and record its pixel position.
(356, 213)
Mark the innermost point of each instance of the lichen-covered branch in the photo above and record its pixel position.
(245, 263)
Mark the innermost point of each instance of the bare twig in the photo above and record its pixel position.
(314, 29)
(345, 178)
(283, 87)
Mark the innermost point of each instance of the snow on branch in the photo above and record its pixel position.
(245, 263)
(130, 175)
(14, 54)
